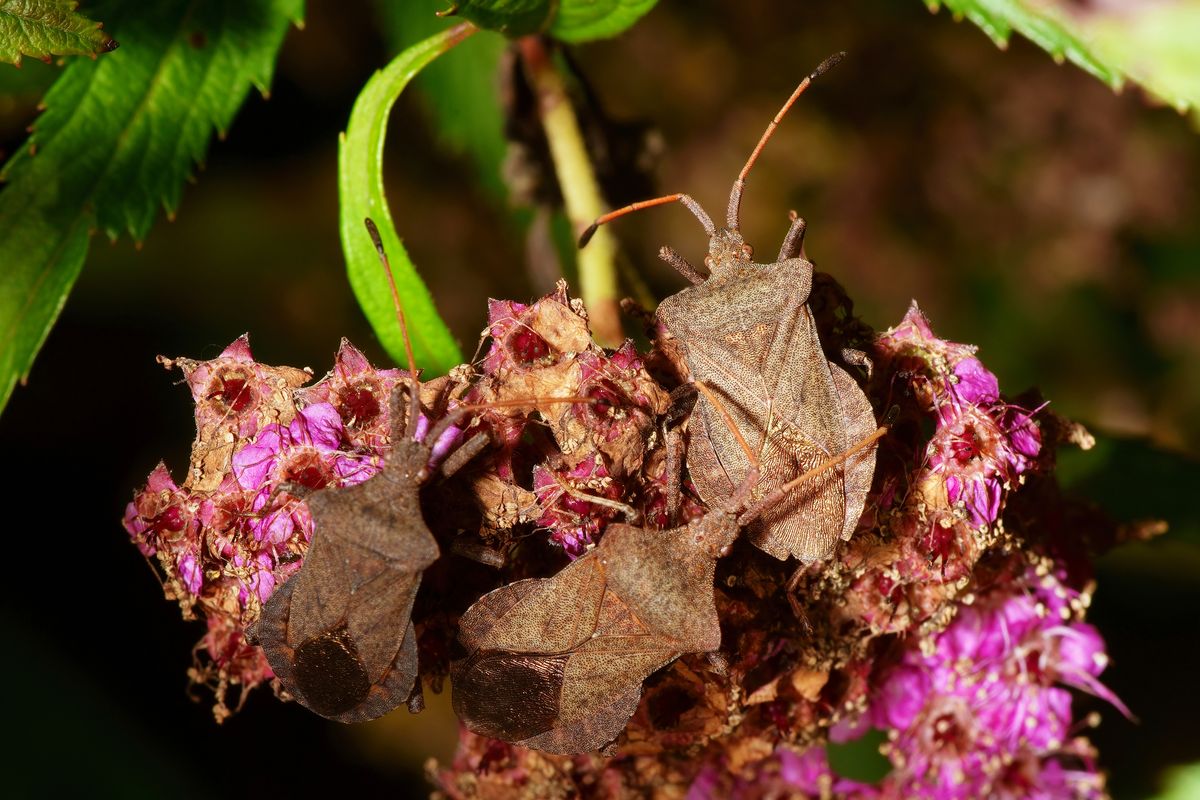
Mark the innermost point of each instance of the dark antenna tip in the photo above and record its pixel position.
(828, 64)
(587, 235)
(374, 232)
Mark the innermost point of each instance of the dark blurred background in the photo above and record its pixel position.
(1025, 206)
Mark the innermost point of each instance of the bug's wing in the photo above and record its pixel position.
(570, 702)
(513, 686)
(602, 681)
(859, 469)
(600, 726)
(518, 639)
(508, 696)
(539, 615)
(338, 635)
(754, 341)
(666, 581)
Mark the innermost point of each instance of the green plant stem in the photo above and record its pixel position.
(581, 192)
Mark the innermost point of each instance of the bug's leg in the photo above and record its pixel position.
(683, 400)
(680, 264)
(404, 422)
(463, 454)
(793, 243)
(631, 514)
(673, 472)
(858, 358)
(416, 700)
(477, 551)
(742, 496)
(790, 591)
(718, 661)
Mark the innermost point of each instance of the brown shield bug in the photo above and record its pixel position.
(747, 332)
(557, 664)
(339, 634)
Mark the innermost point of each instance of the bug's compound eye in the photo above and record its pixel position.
(747, 252)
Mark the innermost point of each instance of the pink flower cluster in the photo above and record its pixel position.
(238, 526)
(984, 711)
(981, 710)
(947, 623)
(952, 621)
(587, 460)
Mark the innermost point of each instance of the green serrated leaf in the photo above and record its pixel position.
(510, 17)
(45, 28)
(118, 139)
(1153, 44)
(584, 20)
(361, 195)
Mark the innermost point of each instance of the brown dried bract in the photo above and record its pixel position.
(235, 397)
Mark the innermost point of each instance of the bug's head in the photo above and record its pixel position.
(726, 250)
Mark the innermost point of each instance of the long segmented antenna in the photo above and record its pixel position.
(414, 401)
(691, 205)
(732, 217)
(733, 213)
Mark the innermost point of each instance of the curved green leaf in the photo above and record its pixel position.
(44, 28)
(1153, 44)
(569, 20)
(510, 17)
(361, 195)
(118, 139)
(584, 20)
(459, 89)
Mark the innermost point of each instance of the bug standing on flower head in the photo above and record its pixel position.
(339, 634)
(748, 333)
(558, 663)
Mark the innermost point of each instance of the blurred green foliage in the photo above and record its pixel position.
(460, 88)
(1182, 783)
(568, 20)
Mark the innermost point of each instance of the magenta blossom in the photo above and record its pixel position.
(984, 705)
(981, 445)
(305, 454)
(577, 503)
(786, 773)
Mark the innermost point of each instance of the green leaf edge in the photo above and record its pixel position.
(571, 21)
(77, 35)
(361, 195)
(998, 18)
(617, 20)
